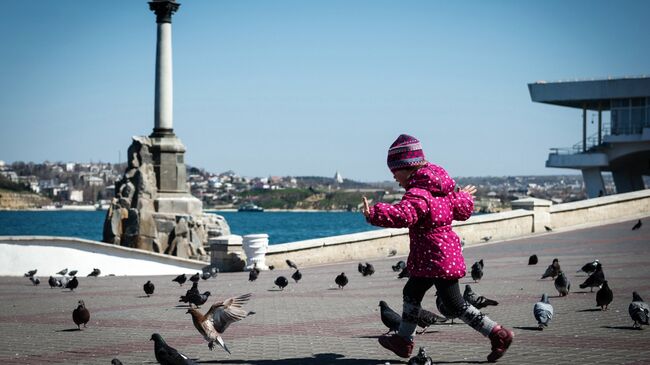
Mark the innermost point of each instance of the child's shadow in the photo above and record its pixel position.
(621, 328)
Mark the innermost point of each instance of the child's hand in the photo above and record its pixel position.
(469, 189)
(366, 208)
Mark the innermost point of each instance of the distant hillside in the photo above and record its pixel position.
(307, 181)
(308, 198)
(21, 200)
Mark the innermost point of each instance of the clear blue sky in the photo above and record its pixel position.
(311, 87)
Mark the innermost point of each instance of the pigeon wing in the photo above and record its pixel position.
(228, 312)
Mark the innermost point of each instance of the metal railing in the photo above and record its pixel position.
(592, 143)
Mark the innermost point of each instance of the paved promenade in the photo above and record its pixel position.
(312, 322)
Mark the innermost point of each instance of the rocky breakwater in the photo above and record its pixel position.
(14, 200)
(134, 220)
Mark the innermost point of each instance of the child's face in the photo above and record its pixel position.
(401, 176)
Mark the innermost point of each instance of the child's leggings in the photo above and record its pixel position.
(452, 299)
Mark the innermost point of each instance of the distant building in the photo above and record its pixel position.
(69, 167)
(76, 196)
(338, 178)
(621, 145)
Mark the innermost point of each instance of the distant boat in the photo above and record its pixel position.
(250, 207)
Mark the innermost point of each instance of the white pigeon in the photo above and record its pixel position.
(543, 312)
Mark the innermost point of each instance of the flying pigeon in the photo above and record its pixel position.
(81, 315)
(167, 355)
(543, 312)
(292, 264)
(341, 280)
(403, 274)
(552, 269)
(562, 284)
(53, 282)
(532, 260)
(604, 296)
(421, 358)
(95, 272)
(31, 273)
(548, 229)
(637, 225)
(63, 272)
(195, 278)
(476, 300)
(296, 276)
(72, 272)
(206, 275)
(594, 280)
(180, 279)
(639, 310)
(426, 319)
(486, 238)
(218, 318)
(392, 252)
(148, 288)
(35, 280)
(72, 284)
(281, 282)
(367, 269)
(389, 317)
(400, 265)
(590, 267)
(477, 270)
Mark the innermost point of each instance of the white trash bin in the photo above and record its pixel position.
(255, 247)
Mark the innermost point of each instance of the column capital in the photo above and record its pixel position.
(163, 10)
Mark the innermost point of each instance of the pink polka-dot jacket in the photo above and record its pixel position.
(428, 207)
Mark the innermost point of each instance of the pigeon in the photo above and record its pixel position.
(604, 296)
(341, 280)
(590, 267)
(543, 312)
(443, 310)
(116, 361)
(180, 279)
(595, 279)
(562, 284)
(213, 271)
(218, 318)
(392, 252)
(63, 281)
(148, 288)
(389, 317)
(637, 225)
(532, 260)
(639, 310)
(296, 276)
(421, 358)
(95, 272)
(271, 267)
(72, 273)
(486, 238)
(194, 290)
(281, 282)
(63, 272)
(426, 319)
(81, 315)
(195, 278)
(403, 274)
(400, 265)
(206, 275)
(548, 229)
(552, 269)
(477, 270)
(292, 264)
(31, 273)
(198, 299)
(367, 269)
(53, 282)
(34, 280)
(167, 355)
(72, 284)
(360, 268)
(253, 274)
(476, 300)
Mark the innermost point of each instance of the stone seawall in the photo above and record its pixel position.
(11, 200)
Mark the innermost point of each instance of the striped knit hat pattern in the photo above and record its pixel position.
(404, 153)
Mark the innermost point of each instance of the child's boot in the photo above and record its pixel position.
(401, 346)
(501, 338)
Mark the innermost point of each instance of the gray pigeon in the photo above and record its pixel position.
(389, 317)
(477, 270)
(297, 276)
(443, 310)
(543, 312)
(116, 361)
(63, 272)
(594, 280)
(562, 284)
(426, 319)
(53, 282)
(341, 280)
(292, 264)
(421, 358)
(590, 267)
(400, 265)
(281, 282)
(72, 273)
(639, 310)
(637, 225)
(604, 296)
(167, 355)
(96, 272)
(35, 280)
(552, 270)
(476, 300)
(31, 273)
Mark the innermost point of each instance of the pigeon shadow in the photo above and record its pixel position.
(70, 330)
(143, 296)
(317, 359)
(274, 289)
(370, 336)
(582, 292)
(461, 362)
(528, 328)
(621, 328)
(333, 288)
(590, 310)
